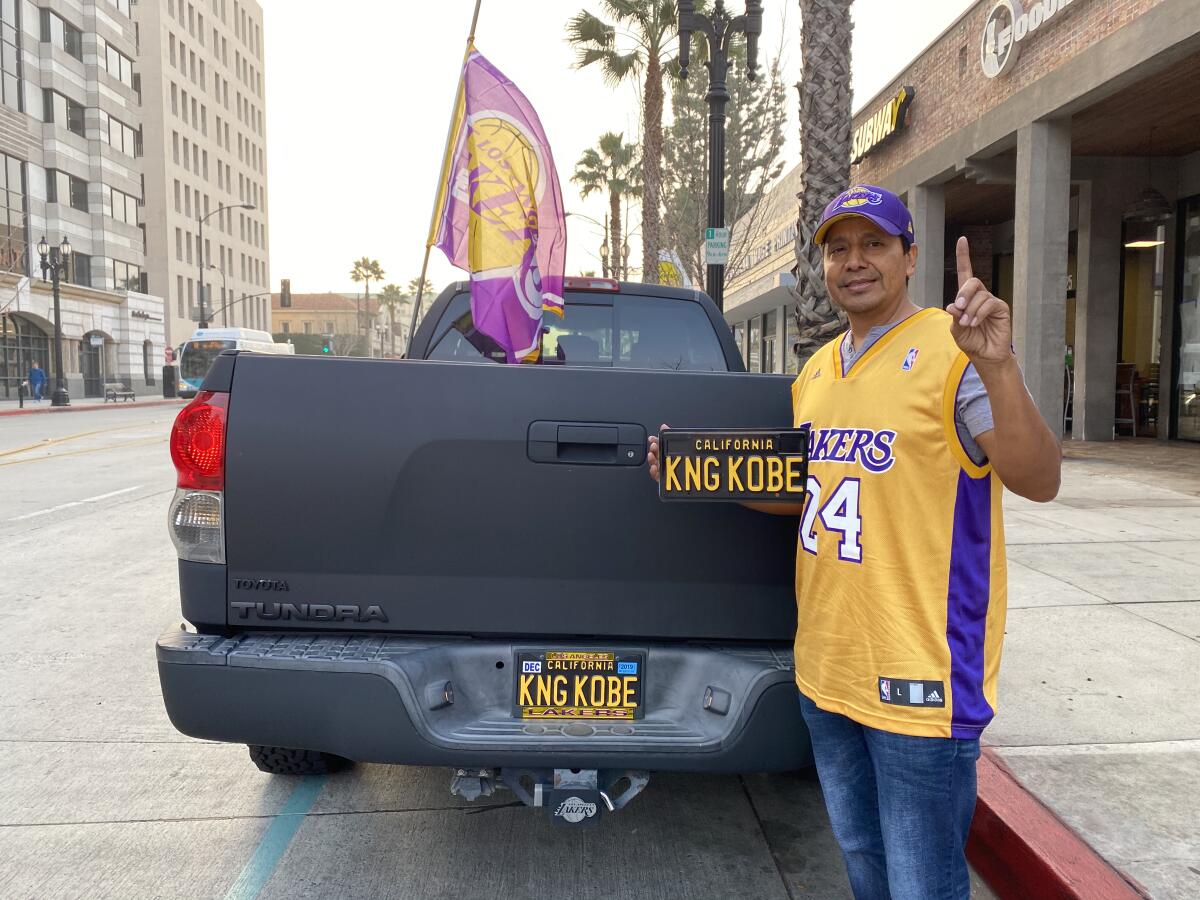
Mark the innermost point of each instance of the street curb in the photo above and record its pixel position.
(1022, 849)
(66, 409)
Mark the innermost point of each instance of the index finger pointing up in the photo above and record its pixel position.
(962, 253)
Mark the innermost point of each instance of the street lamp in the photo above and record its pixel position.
(604, 268)
(54, 260)
(200, 249)
(718, 29)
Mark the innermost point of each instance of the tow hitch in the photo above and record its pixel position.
(571, 796)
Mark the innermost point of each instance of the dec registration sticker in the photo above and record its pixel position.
(741, 465)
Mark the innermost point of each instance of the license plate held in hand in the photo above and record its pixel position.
(579, 684)
(740, 465)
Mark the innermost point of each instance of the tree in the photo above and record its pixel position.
(754, 139)
(392, 299)
(824, 157)
(366, 270)
(648, 30)
(415, 287)
(609, 167)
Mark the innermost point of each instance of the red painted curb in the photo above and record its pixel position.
(127, 404)
(1022, 849)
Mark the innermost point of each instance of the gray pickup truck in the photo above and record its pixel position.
(445, 561)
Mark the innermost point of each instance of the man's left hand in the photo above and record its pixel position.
(981, 322)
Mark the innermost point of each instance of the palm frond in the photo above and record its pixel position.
(587, 30)
(619, 66)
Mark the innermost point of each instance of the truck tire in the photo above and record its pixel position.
(285, 761)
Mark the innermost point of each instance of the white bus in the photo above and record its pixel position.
(195, 356)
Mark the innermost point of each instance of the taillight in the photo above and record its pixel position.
(197, 520)
(198, 442)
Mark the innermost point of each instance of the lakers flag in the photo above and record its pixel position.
(500, 211)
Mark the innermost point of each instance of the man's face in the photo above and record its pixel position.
(865, 267)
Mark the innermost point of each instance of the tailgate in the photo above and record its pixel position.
(491, 500)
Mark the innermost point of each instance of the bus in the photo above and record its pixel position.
(195, 356)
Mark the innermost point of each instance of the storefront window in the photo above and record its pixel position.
(791, 361)
(739, 338)
(1187, 332)
(770, 342)
(753, 352)
(22, 343)
(1141, 329)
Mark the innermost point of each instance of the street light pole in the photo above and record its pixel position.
(203, 323)
(718, 30)
(54, 260)
(224, 288)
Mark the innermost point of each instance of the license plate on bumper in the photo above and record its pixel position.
(579, 684)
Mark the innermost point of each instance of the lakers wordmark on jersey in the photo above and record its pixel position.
(901, 583)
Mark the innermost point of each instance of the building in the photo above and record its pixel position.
(202, 77)
(759, 286)
(1063, 139)
(71, 138)
(344, 316)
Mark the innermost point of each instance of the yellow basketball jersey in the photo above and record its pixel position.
(901, 582)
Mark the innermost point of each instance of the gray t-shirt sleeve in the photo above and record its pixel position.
(972, 413)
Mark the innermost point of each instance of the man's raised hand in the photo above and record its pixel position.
(981, 322)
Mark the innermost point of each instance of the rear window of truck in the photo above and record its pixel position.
(625, 332)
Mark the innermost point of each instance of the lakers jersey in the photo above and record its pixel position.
(900, 569)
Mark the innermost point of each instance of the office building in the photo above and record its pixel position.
(203, 88)
(70, 140)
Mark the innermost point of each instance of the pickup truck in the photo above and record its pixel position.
(378, 557)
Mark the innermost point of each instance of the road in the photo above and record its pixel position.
(101, 797)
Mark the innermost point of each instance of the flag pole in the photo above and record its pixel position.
(443, 187)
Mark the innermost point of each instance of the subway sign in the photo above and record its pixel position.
(886, 121)
(1006, 28)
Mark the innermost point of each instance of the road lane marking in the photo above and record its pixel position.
(54, 509)
(276, 839)
(50, 442)
(146, 443)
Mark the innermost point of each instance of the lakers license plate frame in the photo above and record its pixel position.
(733, 465)
(596, 685)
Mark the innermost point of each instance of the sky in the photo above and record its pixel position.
(358, 104)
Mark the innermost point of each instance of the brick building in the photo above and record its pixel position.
(1063, 139)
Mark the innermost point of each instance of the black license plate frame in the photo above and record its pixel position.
(628, 665)
(709, 465)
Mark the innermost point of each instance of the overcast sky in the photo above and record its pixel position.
(358, 101)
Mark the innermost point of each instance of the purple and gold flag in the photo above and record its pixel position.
(500, 210)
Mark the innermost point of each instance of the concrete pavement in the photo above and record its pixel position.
(1099, 710)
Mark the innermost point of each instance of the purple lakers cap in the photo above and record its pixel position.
(882, 207)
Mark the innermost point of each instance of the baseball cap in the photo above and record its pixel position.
(882, 207)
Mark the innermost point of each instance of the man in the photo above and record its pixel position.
(37, 381)
(918, 416)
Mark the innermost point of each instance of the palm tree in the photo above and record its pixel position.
(609, 167)
(824, 157)
(366, 270)
(650, 27)
(392, 298)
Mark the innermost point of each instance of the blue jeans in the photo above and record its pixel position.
(36, 390)
(900, 806)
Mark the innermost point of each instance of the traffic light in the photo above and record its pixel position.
(285, 293)
(327, 344)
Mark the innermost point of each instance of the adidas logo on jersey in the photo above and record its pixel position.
(933, 697)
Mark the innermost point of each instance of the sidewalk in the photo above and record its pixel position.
(13, 407)
(1100, 683)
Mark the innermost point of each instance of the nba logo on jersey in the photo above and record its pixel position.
(910, 360)
(885, 690)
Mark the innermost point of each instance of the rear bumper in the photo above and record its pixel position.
(382, 699)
